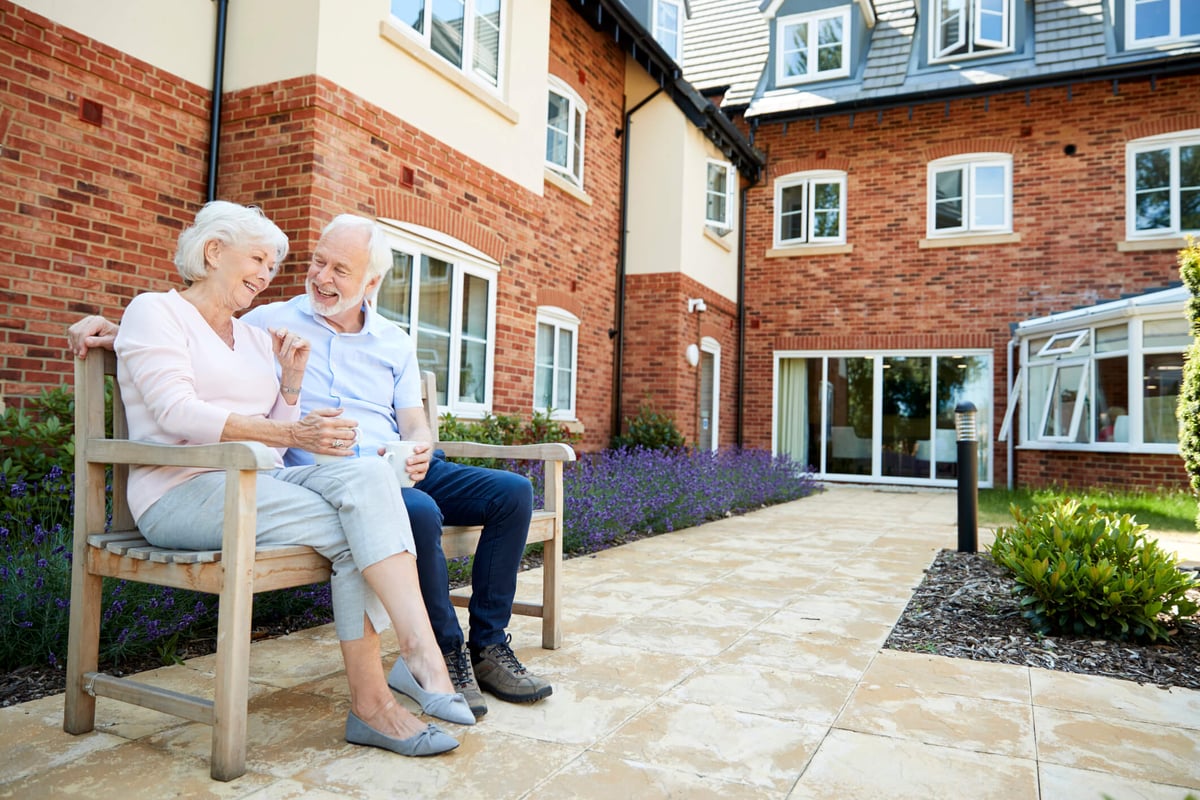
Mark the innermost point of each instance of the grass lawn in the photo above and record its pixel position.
(1162, 511)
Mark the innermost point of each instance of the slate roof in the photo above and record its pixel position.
(1072, 40)
(725, 45)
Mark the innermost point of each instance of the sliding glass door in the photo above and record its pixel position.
(882, 417)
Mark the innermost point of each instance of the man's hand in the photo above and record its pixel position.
(91, 332)
(417, 464)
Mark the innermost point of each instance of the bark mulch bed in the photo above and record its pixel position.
(964, 608)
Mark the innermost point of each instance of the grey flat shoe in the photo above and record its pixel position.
(443, 705)
(429, 742)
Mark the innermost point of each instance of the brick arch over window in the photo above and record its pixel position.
(810, 164)
(564, 300)
(419, 211)
(979, 144)
(1157, 127)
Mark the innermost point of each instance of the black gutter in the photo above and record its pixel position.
(739, 435)
(619, 329)
(1157, 69)
(214, 125)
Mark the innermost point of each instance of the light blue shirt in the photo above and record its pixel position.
(370, 374)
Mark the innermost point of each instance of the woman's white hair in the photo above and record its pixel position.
(231, 224)
(379, 252)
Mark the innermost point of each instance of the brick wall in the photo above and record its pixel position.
(89, 212)
(1068, 210)
(656, 337)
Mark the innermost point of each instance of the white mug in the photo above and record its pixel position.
(398, 453)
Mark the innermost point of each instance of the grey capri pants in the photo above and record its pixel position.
(350, 511)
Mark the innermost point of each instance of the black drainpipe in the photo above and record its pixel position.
(214, 126)
(741, 312)
(619, 330)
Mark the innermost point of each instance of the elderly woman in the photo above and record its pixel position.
(192, 373)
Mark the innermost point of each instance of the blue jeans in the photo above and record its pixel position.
(455, 494)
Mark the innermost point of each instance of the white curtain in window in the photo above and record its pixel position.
(793, 409)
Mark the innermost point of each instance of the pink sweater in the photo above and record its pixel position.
(181, 382)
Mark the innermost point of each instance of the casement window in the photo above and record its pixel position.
(718, 199)
(1110, 384)
(444, 297)
(1163, 180)
(969, 28)
(555, 364)
(1149, 23)
(467, 33)
(970, 194)
(810, 208)
(668, 27)
(812, 47)
(565, 121)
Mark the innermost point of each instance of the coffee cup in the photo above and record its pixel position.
(397, 453)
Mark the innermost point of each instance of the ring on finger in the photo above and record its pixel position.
(338, 444)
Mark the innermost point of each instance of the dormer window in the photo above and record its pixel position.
(969, 28)
(1153, 22)
(812, 47)
(668, 27)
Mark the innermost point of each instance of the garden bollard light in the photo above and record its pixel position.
(968, 478)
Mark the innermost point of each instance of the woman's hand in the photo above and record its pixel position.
(91, 332)
(291, 351)
(324, 431)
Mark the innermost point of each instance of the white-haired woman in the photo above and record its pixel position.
(192, 373)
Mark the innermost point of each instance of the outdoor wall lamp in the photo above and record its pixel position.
(692, 354)
(696, 304)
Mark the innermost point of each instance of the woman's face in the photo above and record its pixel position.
(242, 271)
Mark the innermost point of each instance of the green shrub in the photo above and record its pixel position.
(1083, 571)
(1187, 410)
(653, 430)
(503, 429)
(37, 439)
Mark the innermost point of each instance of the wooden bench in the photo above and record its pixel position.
(235, 572)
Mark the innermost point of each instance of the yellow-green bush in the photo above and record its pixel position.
(1080, 570)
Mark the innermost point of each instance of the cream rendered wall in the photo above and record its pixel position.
(342, 41)
(667, 177)
(179, 41)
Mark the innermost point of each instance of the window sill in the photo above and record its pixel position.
(971, 240)
(1137, 245)
(554, 179)
(718, 240)
(809, 250)
(443, 68)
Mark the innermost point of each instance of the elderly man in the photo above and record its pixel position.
(367, 366)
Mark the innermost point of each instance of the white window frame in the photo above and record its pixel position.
(1173, 35)
(810, 180)
(576, 132)
(1030, 433)
(1172, 143)
(724, 225)
(465, 260)
(969, 165)
(659, 30)
(425, 37)
(812, 46)
(559, 319)
(969, 33)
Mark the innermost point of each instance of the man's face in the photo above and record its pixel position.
(337, 276)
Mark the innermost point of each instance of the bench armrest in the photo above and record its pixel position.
(549, 451)
(226, 455)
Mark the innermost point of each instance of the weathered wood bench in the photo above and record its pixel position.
(235, 572)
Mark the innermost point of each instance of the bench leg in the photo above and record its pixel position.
(83, 647)
(552, 592)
